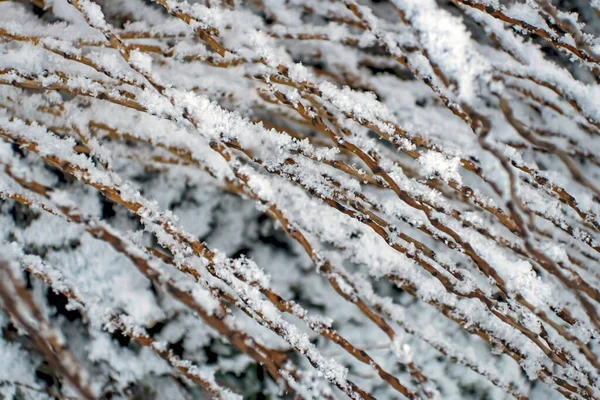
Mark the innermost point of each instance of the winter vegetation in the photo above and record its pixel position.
(308, 199)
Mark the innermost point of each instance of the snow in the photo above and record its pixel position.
(435, 164)
(334, 192)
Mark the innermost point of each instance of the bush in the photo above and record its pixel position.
(299, 199)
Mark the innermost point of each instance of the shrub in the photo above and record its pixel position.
(299, 199)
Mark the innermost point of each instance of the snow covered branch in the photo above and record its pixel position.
(299, 199)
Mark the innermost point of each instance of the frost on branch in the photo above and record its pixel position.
(299, 199)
